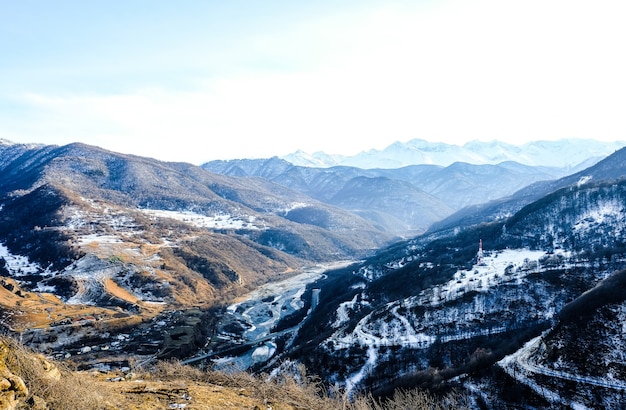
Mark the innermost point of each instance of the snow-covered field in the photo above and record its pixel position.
(218, 221)
(19, 265)
(507, 266)
(510, 265)
(89, 225)
(98, 238)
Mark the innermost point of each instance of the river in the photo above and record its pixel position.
(249, 321)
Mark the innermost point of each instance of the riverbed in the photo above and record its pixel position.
(249, 322)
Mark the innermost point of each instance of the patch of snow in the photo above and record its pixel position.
(604, 212)
(19, 265)
(374, 332)
(45, 288)
(508, 265)
(98, 238)
(295, 205)
(354, 380)
(264, 353)
(343, 312)
(217, 221)
(370, 273)
(583, 180)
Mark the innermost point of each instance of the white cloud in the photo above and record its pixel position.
(452, 71)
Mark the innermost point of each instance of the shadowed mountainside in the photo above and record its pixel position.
(535, 319)
(611, 168)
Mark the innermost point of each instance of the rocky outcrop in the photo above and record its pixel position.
(19, 368)
(12, 388)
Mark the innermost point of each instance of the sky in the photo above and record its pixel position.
(198, 80)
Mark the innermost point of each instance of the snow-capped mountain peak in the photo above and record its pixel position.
(566, 153)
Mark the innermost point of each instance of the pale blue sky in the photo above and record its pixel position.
(200, 80)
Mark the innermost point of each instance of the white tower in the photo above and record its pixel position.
(479, 257)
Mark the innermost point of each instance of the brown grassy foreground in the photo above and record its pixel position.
(170, 385)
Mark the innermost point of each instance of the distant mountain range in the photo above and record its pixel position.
(571, 154)
(403, 201)
(612, 168)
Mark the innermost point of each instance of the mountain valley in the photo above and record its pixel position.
(500, 282)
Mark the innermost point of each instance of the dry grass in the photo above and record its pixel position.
(32, 310)
(415, 399)
(277, 393)
(119, 292)
(54, 384)
(301, 391)
(171, 384)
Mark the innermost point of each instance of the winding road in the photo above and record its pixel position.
(522, 358)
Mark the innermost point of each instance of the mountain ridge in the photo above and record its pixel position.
(567, 153)
(415, 197)
(612, 167)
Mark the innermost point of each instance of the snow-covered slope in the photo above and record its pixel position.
(566, 153)
(437, 312)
